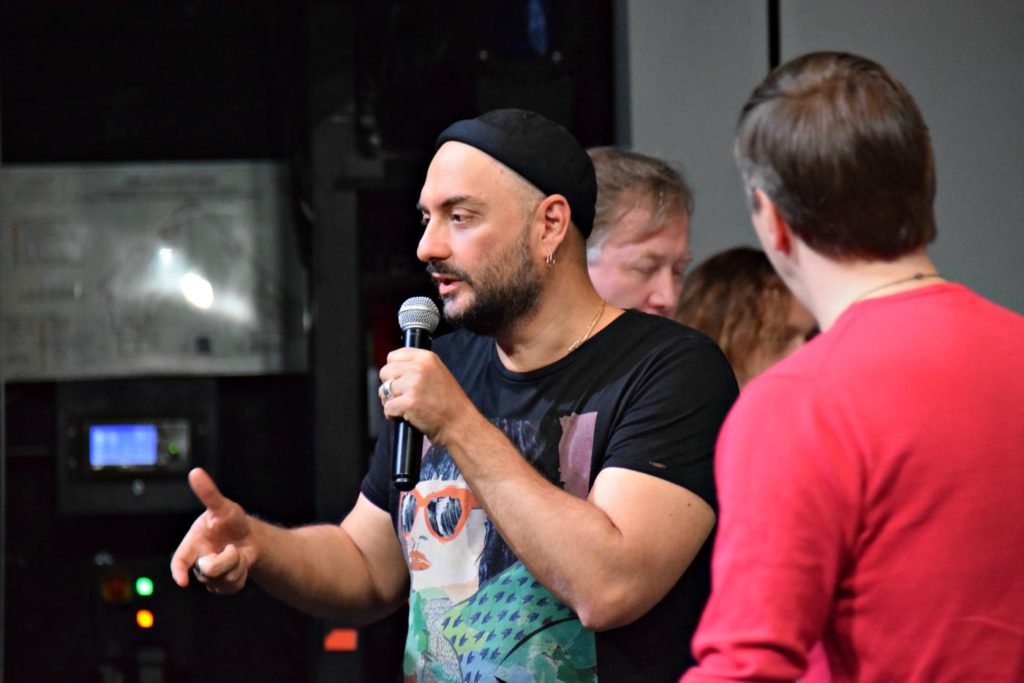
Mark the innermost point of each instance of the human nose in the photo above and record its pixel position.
(433, 244)
(665, 289)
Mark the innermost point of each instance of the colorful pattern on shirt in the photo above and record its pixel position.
(475, 612)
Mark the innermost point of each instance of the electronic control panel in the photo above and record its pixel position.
(126, 446)
(152, 446)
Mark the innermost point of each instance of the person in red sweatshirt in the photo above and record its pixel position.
(871, 484)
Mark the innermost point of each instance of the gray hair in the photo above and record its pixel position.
(648, 181)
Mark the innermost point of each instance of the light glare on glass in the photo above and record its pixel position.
(197, 290)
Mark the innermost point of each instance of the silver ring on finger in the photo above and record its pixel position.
(386, 390)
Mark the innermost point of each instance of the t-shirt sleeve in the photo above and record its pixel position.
(788, 483)
(377, 484)
(669, 418)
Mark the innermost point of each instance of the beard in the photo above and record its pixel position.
(505, 291)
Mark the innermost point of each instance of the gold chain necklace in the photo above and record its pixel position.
(590, 328)
(915, 276)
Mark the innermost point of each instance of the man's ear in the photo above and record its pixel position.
(770, 225)
(556, 217)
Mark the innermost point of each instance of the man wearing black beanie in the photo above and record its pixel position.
(558, 529)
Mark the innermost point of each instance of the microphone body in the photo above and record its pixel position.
(418, 319)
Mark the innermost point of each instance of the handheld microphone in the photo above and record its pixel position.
(418, 317)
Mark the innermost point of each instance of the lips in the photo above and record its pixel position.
(418, 561)
(445, 283)
(446, 277)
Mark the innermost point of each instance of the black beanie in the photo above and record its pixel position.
(541, 151)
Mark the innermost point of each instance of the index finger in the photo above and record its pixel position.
(181, 562)
(206, 491)
(187, 553)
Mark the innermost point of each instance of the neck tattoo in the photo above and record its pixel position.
(590, 328)
(904, 280)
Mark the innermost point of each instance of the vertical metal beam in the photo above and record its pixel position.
(3, 508)
(774, 34)
(338, 357)
(622, 96)
(3, 485)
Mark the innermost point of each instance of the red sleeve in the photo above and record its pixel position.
(789, 492)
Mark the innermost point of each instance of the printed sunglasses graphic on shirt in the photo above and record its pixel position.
(446, 511)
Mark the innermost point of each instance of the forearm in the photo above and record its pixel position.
(319, 570)
(570, 546)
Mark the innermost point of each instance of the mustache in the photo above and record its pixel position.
(441, 268)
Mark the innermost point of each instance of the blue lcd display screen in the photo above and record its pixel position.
(122, 445)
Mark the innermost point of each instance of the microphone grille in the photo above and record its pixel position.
(419, 311)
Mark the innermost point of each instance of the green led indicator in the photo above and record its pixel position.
(144, 586)
(172, 448)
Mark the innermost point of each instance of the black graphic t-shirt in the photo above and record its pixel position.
(645, 394)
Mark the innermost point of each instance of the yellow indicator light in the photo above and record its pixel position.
(144, 618)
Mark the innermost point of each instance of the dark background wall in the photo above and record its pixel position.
(349, 96)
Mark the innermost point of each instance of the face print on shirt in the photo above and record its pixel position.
(442, 523)
(475, 612)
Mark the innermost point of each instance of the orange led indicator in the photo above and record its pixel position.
(144, 618)
(341, 640)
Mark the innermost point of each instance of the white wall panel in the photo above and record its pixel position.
(691, 66)
(963, 63)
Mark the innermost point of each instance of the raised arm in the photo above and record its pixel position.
(610, 557)
(354, 571)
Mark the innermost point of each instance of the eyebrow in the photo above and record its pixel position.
(657, 255)
(450, 202)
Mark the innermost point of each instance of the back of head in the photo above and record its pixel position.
(736, 298)
(840, 147)
(638, 179)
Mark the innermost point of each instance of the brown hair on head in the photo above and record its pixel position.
(736, 298)
(630, 176)
(840, 147)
